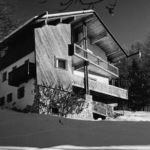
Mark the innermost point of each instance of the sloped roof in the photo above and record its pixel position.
(97, 31)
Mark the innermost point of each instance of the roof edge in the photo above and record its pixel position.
(44, 16)
(110, 34)
(22, 26)
(68, 13)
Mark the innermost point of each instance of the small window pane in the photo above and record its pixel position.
(4, 76)
(9, 98)
(61, 64)
(2, 101)
(21, 92)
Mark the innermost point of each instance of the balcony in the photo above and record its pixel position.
(102, 88)
(22, 74)
(102, 109)
(97, 65)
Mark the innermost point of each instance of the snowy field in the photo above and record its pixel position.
(70, 147)
(133, 116)
(20, 131)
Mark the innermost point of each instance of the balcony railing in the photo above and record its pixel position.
(21, 74)
(93, 59)
(102, 109)
(120, 82)
(101, 87)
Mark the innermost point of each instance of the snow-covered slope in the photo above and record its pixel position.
(132, 116)
(43, 131)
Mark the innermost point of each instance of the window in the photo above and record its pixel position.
(61, 63)
(3, 51)
(20, 92)
(2, 101)
(9, 97)
(4, 77)
(77, 34)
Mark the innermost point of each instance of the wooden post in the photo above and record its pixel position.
(86, 83)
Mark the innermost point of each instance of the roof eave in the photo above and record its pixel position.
(44, 16)
(27, 23)
(110, 34)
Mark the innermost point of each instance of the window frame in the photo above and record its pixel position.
(9, 97)
(4, 76)
(57, 59)
(21, 92)
(2, 101)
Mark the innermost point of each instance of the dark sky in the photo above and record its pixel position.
(130, 23)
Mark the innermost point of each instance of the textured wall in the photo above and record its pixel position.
(29, 86)
(51, 42)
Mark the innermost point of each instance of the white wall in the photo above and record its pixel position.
(29, 86)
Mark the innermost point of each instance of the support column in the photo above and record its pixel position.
(86, 83)
(87, 112)
(88, 107)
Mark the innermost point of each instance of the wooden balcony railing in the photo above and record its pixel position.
(94, 60)
(21, 74)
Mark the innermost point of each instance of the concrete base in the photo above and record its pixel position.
(87, 113)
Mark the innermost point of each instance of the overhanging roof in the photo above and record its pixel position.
(97, 31)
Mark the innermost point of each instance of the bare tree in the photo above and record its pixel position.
(59, 100)
(6, 22)
(86, 4)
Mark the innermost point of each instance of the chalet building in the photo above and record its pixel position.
(74, 48)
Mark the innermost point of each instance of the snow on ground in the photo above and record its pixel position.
(20, 131)
(71, 147)
(132, 116)
(124, 147)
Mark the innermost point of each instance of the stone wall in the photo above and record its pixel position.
(87, 112)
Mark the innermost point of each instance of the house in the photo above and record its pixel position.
(74, 48)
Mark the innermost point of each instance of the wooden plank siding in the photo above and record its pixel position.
(51, 42)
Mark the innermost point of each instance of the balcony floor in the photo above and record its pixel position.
(102, 92)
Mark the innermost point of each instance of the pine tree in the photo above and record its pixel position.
(139, 87)
(7, 24)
